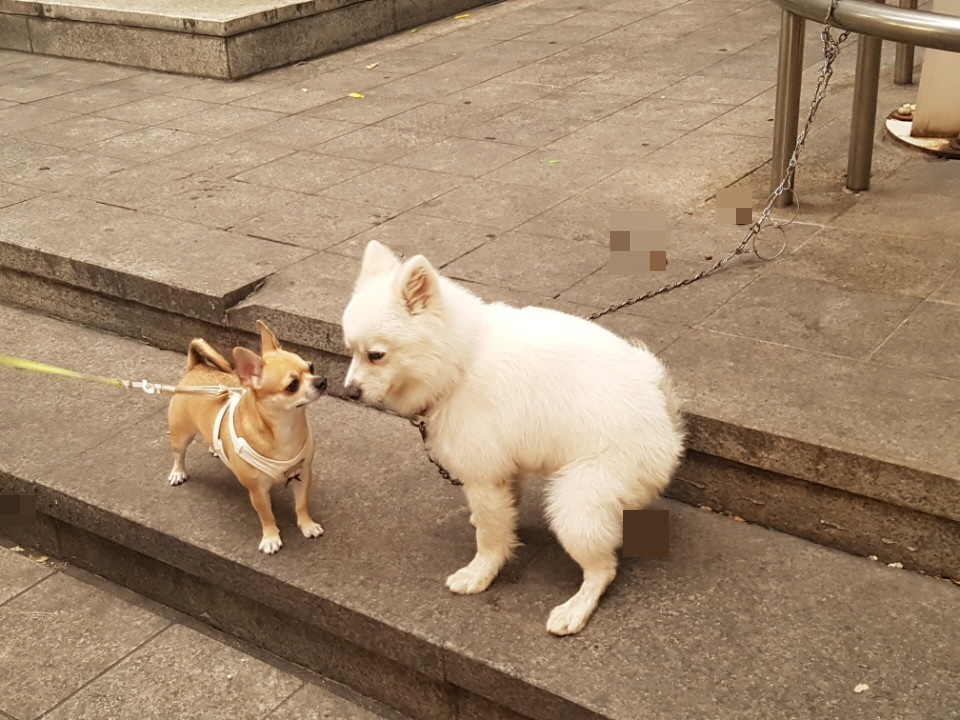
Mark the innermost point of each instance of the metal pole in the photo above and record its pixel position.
(865, 87)
(787, 113)
(903, 69)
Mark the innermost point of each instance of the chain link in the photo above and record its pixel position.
(831, 50)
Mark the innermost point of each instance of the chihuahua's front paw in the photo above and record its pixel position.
(311, 529)
(177, 477)
(270, 544)
(474, 578)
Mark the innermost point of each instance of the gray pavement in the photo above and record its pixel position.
(76, 647)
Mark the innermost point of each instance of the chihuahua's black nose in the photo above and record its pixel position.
(320, 384)
(354, 392)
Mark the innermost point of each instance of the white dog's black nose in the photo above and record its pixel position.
(354, 392)
(320, 383)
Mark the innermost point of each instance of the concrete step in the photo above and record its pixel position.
(816, 458)
(216, 40)
(740, 622)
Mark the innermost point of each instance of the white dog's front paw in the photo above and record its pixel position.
(311, 529)
(213, 451)
(270, 544)
(474, 578)
(177, 477)
(569, 618)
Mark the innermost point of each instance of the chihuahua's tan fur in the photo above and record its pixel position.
(271, 417)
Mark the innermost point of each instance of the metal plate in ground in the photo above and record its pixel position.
(900, 130)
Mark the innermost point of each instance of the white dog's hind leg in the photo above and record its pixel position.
(494, 515)
(590, 528)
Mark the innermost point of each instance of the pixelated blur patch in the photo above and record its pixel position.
(734, 206)
(638, 241)
(18, 510)
(646, 533)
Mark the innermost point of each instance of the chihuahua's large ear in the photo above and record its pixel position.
(377, 260)
(249, 367)
(268, 341)
(418, 284)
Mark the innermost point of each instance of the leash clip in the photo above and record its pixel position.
(148, 387)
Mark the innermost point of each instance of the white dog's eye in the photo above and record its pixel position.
(374, 355)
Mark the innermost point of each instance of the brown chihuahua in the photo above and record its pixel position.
(259, 430)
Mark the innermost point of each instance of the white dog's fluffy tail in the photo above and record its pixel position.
(668, 390)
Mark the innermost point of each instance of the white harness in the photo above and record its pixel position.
(276, 469)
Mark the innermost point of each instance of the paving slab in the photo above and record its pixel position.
(182, 667)
(721, 627)
(75, 634)
(813, 315)
(312, 703)
(308, 171)
(316, 222)
(222, 203)
(212, 681)
(894, 267)
(19, 574)
(225, 158)
(393, 187)
(520, 261)
(909, 346)
(441, 240)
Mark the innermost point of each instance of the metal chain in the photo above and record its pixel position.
(421, 425)
(831, 50)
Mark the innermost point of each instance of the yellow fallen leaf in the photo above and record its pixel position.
(460, 17)
(415, 30)
(371, 66)
(357, 95)
(553, 161)
(41, 559)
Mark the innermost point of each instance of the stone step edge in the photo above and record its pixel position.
(140, 16)
(387, 664)
(729, 467)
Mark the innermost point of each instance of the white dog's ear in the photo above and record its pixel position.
(418, 284)
(377, 260)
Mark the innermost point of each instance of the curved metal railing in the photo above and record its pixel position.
(876, 22)
(917, 27)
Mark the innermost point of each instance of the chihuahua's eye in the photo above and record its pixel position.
(294, 385)
(310, 369)
(374, 355)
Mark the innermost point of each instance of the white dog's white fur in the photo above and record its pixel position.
(509, 392)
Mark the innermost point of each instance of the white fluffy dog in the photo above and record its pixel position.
(508, 392)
